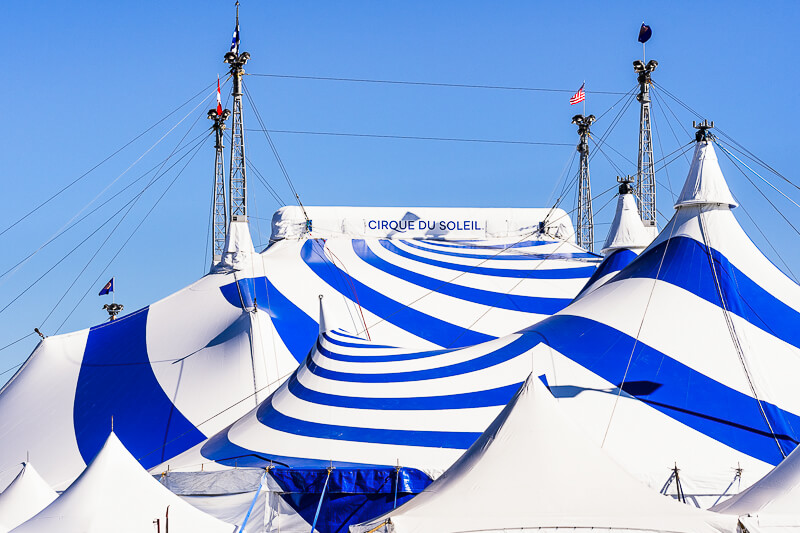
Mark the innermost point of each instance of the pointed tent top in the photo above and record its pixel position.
(27, 494)
(705, 184)
(115, 493)
(523, 472)
(627, 230)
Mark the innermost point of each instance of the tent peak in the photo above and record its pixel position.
(627, 229)
(705, 184)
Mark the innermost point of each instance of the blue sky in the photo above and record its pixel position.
(84, 78)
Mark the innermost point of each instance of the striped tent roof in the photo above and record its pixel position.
(241, 331)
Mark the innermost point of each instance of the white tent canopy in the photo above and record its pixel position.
(27, 494)
(626, 239)
(115, 494)
(533, 470)
(772, 504)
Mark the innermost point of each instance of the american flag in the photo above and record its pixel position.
(579, 96)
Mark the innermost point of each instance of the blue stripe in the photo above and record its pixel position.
(272, 418)
(501, 355)
(363, 345)
(513, 302)
(457, 244)
(117, 381)
(686, 265)
(550, 273)
(220, 449)
(468, 400)
(613, 263)
(420, 324)
(500, 257)
(668, 386)
(297, 330)
(407, 356)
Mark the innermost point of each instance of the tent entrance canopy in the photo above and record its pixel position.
(347, 496)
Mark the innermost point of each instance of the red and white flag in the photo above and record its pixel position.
(579, 96)
(219, 99)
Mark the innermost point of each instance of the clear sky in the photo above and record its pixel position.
(84, 78)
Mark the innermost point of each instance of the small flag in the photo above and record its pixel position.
(219, 99)
(235, 40)
(109, 287)
(579, 96)
(645, 33)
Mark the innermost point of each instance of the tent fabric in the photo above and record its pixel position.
(687, 356)
(773, 502)
(242, 331)
(354, 402)
(626, 231)
(27, 494)
(705, 184)
(114, 493)
(626, 238)
(533, 469)
(346, 496)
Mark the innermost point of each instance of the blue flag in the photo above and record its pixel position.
(109, 287)
(645, 33)
(235, 40)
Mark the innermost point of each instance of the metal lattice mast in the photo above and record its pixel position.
(645, 172)
(584, 223)
(220, 214)
(237, 175)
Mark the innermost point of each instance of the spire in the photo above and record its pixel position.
(705, 184)
(584, 226)
(220, 214)
(237, 174)
(627, 230)
(645, 173)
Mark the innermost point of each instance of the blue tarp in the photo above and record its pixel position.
(352, 495)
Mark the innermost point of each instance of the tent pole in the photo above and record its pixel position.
(321, 497)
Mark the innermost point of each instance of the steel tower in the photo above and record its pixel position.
(645, 172)
(237, 174)
(220, 214)
(584, 226)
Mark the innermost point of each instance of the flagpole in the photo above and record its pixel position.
(584, 98)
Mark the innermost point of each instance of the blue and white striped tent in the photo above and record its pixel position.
(241, 330)
(684, 359)
(688, 357)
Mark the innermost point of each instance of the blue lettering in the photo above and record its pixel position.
(442, 225)
(384, 224)
(451, 225)
(372, 224)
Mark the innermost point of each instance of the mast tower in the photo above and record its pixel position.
(220, 215)
(584, 227)
(645, 172)
(237, 174)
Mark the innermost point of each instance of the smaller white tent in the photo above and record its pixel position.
(27, 494)
(772, 504)
(533, 470)
(116, 494)
(626, 239)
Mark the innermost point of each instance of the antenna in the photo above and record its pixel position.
(645, 171)
(237, 174)
(220, 215)
(584, 224)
